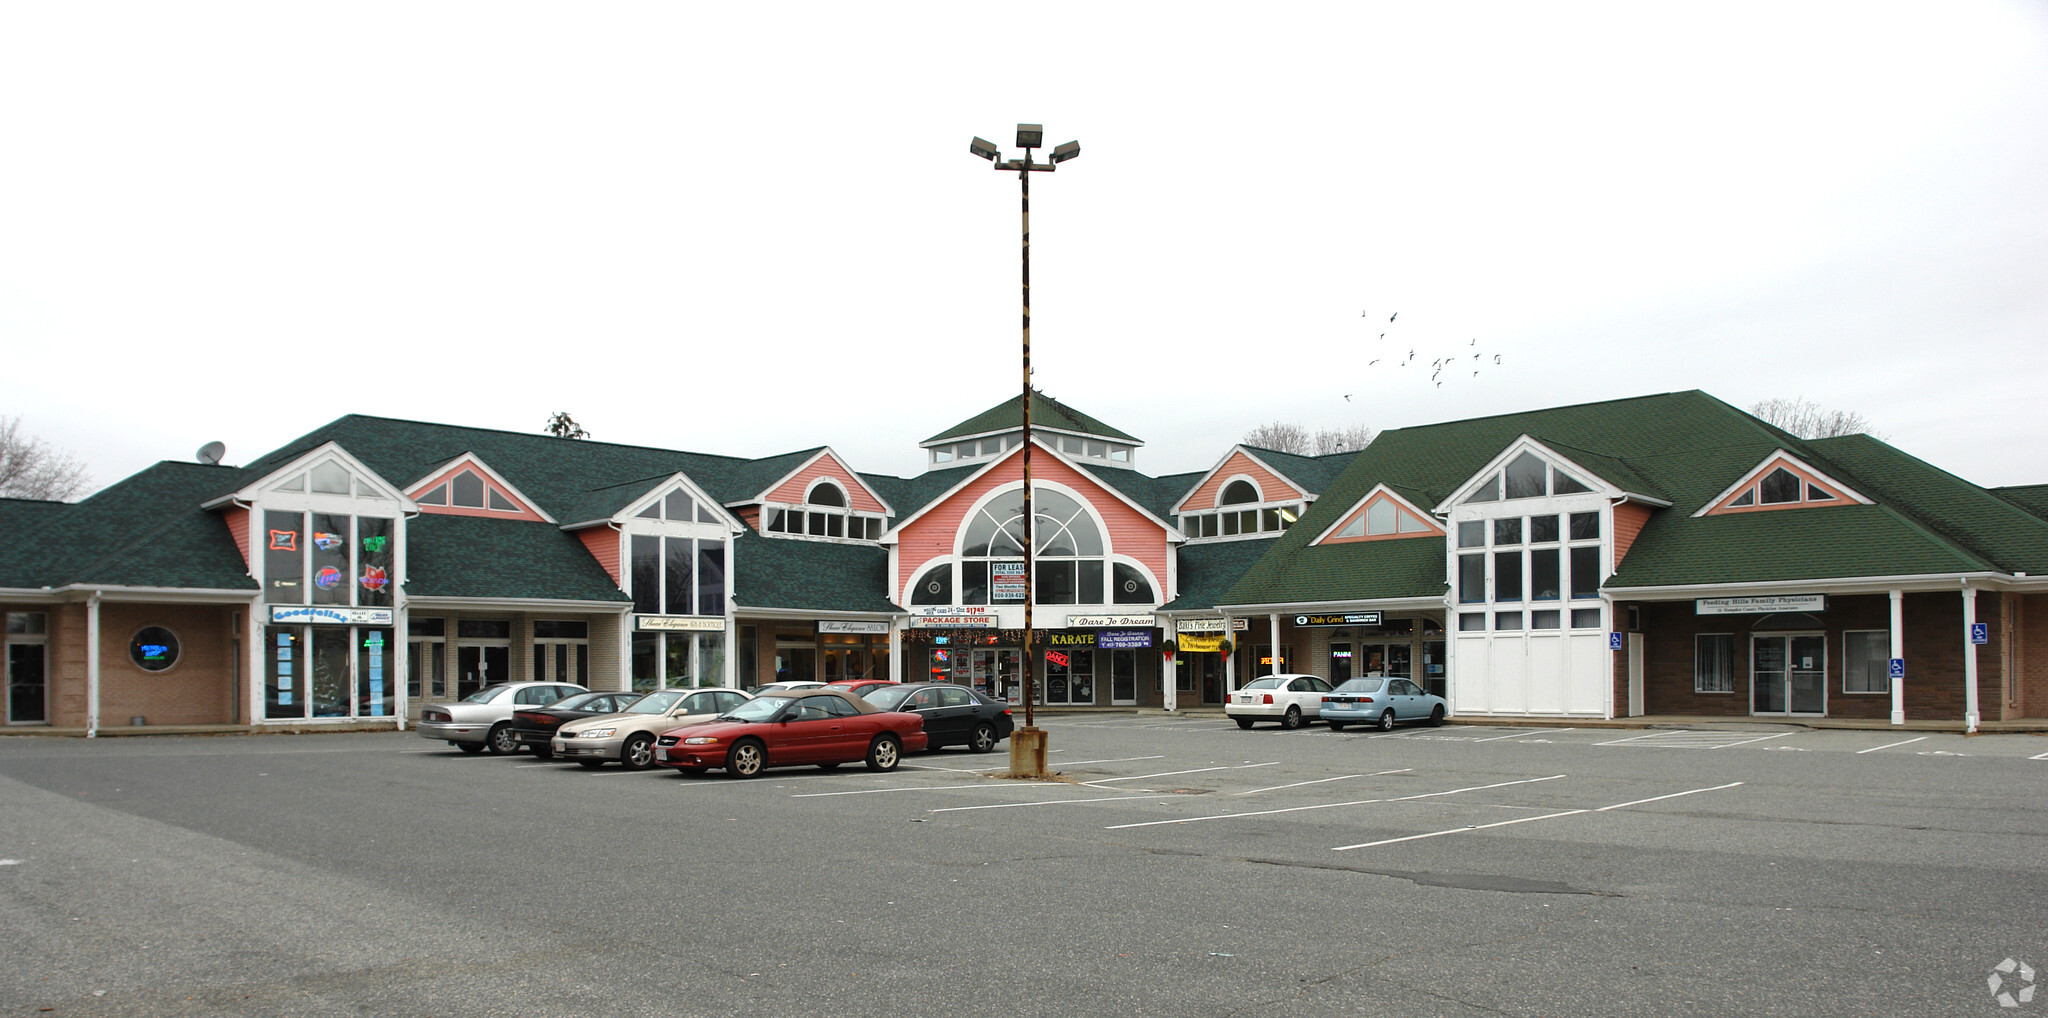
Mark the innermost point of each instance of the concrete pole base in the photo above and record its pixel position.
(1027, 753)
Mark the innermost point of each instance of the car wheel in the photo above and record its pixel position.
(471, 748)
(544, 751)
(1436, 717)
(884, 753)
(590, 764)
(638, 752)
(1244, 722)
(745, 759)
(1338, 726)
(1291, 719)
(984, 738)
(503, 740)
(1387, 720)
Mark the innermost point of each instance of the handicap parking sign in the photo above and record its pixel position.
(1613, 641)
(1898, 670)
(1980, 632)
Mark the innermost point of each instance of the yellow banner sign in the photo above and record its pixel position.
(1194, 643)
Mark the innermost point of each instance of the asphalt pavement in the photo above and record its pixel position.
(1178, 867)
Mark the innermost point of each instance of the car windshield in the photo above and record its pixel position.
(1269, 682)
(1360, 686)
(655, 703)
(760, 708)
(890, 697)
(486, 694)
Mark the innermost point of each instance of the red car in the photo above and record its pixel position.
(861, 687)
(826, 727)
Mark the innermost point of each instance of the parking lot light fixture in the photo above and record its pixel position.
(1027, 744)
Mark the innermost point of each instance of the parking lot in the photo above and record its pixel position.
(1179, 867)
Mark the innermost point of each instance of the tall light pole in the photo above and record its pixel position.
(1027, 745)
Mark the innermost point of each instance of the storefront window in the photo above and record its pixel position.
(373, 679)
(332, 536)
(153, 649)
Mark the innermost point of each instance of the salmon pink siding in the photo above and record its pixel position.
(932, 535)
(526, 512)
(1629, 518)
(1271, 487)
(603, 543)
(1725, 506)
(826, 466)
(237, 519)
(749, 515)
(1400, 507)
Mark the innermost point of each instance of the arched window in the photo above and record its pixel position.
(1238, 492)
(934, 587)
(1071, 563)
(827, 493)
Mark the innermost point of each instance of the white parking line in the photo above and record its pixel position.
(1524, 820)
(1631, 738)
(2043, 756)
(1318, 781)
(1120, 759)
(1760, 738)
(1055, 802)
(1889, 745)
(913, 788)
(1522, 735)
(1168, 774)
(1328, 805)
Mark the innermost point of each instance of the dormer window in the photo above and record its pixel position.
(1781, 483)
(468, 490)
(1241, 522)
(1527, 476)
(824, 513)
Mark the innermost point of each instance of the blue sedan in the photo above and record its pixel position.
(1381, 701)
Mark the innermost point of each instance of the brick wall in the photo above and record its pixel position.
(2030, 655)
(198, 690)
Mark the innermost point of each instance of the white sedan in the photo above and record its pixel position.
(1288, 699)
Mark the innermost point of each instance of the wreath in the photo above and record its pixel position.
(1224, 645)
(1170, 647)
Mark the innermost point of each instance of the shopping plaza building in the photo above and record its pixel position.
(1667, 554)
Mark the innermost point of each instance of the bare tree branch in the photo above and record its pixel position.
(1808, 419)
(561, 425)
(29, 468)
(1281, 436)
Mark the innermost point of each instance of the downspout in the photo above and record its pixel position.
(92, 665)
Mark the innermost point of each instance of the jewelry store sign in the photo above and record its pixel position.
(1209, 625)
(953, 617)
(1760, 605)
(680, 623)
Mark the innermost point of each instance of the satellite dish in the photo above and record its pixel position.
(211, 452)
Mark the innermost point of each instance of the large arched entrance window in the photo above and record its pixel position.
(1072, 563)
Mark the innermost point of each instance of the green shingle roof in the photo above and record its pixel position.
(810, 575)
(2031, 497)
(470, 556)
(1311, 472)
(1206, 571)
(1046, 412)
(145, 531)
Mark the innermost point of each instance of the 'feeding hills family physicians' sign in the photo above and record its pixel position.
(1760, 605)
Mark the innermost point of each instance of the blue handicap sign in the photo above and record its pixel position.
(1613, 641)
(1898, 669)
(1980, 632)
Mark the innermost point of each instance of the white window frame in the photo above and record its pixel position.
(1882, 681)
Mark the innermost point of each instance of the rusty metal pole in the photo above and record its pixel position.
(1030, 549)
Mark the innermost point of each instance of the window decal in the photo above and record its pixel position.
(284, 540)
(375, 578)
(326, 541)
(327, 578)
(376, 544)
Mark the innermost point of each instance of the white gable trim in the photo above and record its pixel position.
(472, 460)
(1773, 459)
(1359, 506)
(259, 489)
(762, 495)
(1589, 477)
(1182, 505)
(1173, 534)
(659, 491)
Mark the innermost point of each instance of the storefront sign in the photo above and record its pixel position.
(953, 617)
(838, 626)
(1006, 581)
(1209, 625)
(288, 613)
(1760, 605)
(1124, 639)
(1056, 658)
(1109, 621)
(1194, 643)
(1345, 619)
(1070, 639)
(679, 623)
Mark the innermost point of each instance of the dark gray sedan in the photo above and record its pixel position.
(953, 715)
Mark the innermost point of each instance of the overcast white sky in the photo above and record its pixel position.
(750, 228)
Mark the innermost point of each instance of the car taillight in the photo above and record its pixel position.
(1326, 699)
(434, 715)
(1365, 699)
(1269, 698)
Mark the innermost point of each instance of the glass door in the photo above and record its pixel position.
(26, 682)
(1788, 674)
(479, 665)
(562, 661)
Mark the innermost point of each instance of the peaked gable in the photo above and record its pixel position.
(1240, 463)
(1382, 515)
(1782, 481)
(467, 486)
(795, 487)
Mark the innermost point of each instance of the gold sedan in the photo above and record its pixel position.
(629, 737)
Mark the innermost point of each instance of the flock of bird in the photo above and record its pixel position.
(1441, 368)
